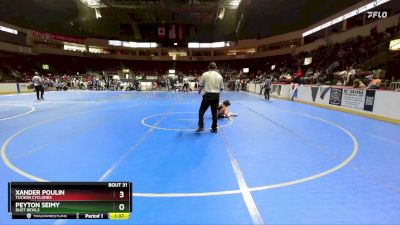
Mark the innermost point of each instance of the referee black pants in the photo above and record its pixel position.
(266, 93)
(209, 99)
(40, 89)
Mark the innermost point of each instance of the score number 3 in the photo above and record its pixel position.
(121, 206)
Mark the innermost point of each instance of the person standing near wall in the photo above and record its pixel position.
(38, 84)
(267, 87)
(212, 84)
(185, 82)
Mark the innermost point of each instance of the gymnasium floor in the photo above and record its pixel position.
(278, 162)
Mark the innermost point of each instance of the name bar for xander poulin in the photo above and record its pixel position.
(96, 216)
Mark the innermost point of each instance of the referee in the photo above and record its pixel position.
(212, 83)
(38, 83)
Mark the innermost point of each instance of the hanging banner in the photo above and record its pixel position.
(181, 32)
(57, 37)
(172, 32)
(161, 32)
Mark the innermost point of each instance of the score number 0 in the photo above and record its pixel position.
(121, 195)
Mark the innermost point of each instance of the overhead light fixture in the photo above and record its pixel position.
(238, 25)
(8, 30)
(394, 45)
(220, 44)
(93, 3)
(175, 44)
(221, 13)
(131, 44)
(193, 45)
(73, 47)
(98, 13)
(235, 2)
(115, 42)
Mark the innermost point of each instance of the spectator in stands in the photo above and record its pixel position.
(129, 86)
(154, 85)
(350, 74)
(309, 74)
(138, 85)
(168, 84)
(237, 85)
(375, 83)
(358, 84)
(185, 82)
(38, 83)
(344, 75)
(117, 85)
(386, 36)
(315, 77)
(299, 74)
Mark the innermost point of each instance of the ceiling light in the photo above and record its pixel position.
(8, 30)
(221, 13)
(235, 2)
(98, 13)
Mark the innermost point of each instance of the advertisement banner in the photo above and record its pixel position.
(323, 91)
(276, 89)
(369, 100)
(353, 98)
(293, 93)
(314, 91)
(336, 96)
(57, 37)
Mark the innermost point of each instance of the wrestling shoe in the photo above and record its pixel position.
(199, 129)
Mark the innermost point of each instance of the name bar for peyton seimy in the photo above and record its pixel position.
(90, 216)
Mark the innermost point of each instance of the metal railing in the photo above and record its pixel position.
(395, 85)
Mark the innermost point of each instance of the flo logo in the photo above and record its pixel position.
(377, 14)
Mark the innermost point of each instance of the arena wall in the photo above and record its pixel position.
(12, 88)
(376, 104)
(8, 47)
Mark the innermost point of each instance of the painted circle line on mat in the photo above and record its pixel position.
(22, 114)
(213, 193)
(174, 129)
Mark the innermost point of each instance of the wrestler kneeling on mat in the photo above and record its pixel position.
(223, 111)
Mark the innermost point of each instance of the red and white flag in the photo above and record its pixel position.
(181, 32)
(161, 32)
(172, 32)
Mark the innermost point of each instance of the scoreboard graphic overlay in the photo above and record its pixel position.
(70, 200)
